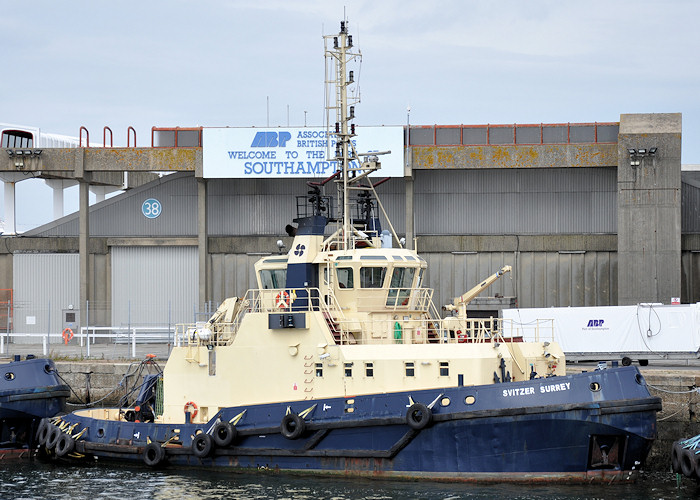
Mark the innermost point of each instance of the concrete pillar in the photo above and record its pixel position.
(649, 208)
(83, 240)
(58, 186)
(9, 208)
(203, 251)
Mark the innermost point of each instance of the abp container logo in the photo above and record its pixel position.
(595, 325)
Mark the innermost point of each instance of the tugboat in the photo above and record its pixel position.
(339, 362)
(30, 390)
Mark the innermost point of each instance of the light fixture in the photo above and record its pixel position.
(641, 151)
(37, 152)
(652, 151)
(10, 153)
(19, 152)
(632, 152)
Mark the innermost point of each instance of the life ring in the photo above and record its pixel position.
(293, 426)
(418, 416)
(153, 454)
(223, 434)
(67, 335)
(194, 407)
(282, 299)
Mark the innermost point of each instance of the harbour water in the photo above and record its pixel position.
(52, 481)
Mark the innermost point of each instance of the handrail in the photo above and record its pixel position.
(104, 137)
(87, 137)
(128, 136)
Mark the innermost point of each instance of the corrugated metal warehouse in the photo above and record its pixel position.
(563, 204)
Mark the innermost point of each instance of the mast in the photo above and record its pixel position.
(339, 81)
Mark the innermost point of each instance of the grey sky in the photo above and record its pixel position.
(215, 63)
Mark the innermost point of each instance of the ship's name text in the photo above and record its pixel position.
(529, 391)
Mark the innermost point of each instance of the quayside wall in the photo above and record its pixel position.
(679, 419)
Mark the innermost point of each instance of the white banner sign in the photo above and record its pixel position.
(292, 152)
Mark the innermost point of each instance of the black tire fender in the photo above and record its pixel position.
(153, 454)
(687, 463)
(626, 361)
(202, 445)
(223, 434)
(64, 445)
(418, 416)
(52, 439)
(292, 426)
(676, 453)
(42, 432)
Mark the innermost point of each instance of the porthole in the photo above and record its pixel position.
(9, 376)
(445, 401)
(595, 386)
(469, 400)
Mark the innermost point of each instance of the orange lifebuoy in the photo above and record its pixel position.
(194, 407)
(67, 335)
(282, 300)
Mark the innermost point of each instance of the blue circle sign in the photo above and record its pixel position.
(151, 208)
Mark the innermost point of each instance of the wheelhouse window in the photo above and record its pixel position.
(273, 278)
(372, 277)
(369, 369)
(410, 369)
(444, 369)
(348, 369)
(400, 287)
(345, 279)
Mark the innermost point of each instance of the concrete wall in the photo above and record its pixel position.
(649, 209)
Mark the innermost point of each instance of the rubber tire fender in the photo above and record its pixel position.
(53, 436)
(223, 434)
(687, 463)
(202, 445)
(42, 432)
(418, 416)
(676, 453)
(64, 445)
(292, 426)
(153, 454)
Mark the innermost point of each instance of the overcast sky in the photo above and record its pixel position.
(216, 62)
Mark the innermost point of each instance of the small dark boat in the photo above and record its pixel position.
(30, 390)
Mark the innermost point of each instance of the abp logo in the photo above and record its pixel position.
(270, 139)
(595, 322)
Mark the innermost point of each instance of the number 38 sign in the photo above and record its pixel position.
(151, 208)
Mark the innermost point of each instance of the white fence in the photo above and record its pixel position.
(87, 337)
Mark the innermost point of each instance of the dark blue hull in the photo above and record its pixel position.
(572, 427)
(29, 391)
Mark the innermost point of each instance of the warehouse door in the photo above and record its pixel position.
(154, 286)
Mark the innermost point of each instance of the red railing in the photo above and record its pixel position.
(512, 134)
(176, 137)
